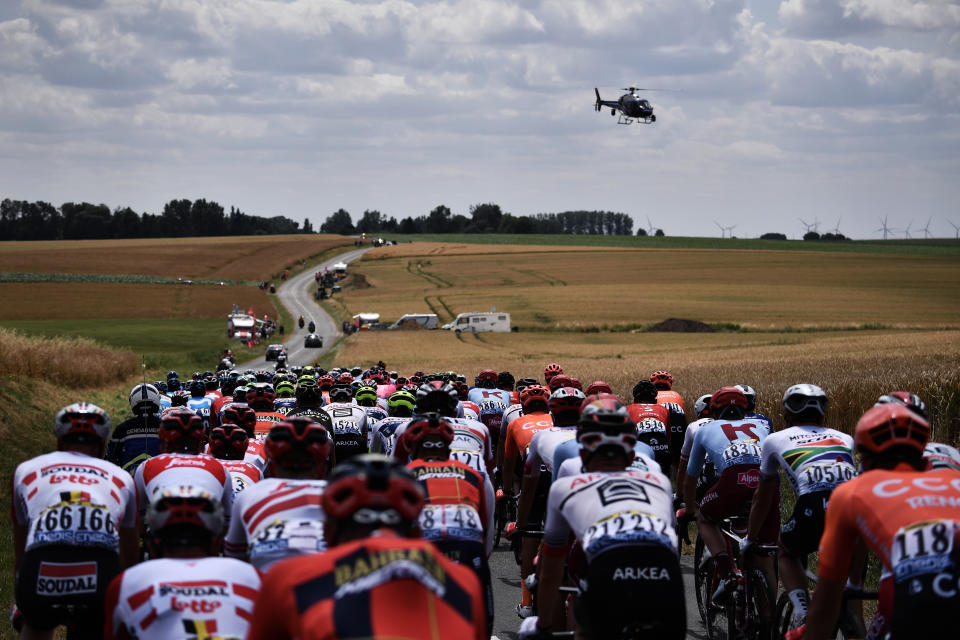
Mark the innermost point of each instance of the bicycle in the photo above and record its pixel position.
(849, 625)
(748, 613)
(505, 511)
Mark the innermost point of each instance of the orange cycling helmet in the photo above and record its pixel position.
(662, 378)
(890, 425)
(535, 398)
(552, 369)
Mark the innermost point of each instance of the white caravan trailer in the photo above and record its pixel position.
(477, 321)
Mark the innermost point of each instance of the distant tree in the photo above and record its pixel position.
(370, 222)
(659, 233)
(307, 226)
(834, 237)
(439, 220)
(773, 236)
(408, 225)
(338, 222)
(641, 231)
(811, 235)
(485, 218)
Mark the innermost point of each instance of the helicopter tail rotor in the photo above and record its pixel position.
(597, 105)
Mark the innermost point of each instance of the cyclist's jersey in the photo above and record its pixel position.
(513, 412)
(346, 417)
(643, 460)
(133, 441)
(639, 412)
(653, 427)
(254, 454)
(176, 469)
(284, 405)
(492, 404)
(243, 474)
(275, 519)
(542, 447)
(314, 413)
(759, 417)
(376, 414)
(608, 509)
(520, 432)
(670, 397)
(688, 436)
(165, 401)
(942, 456)
(69, 498)
(471, 444)
(265, 422)
(385, 436)
(815, 459)
(201, 406)
(182, 599)
(469, 410)
(907, 518)
(727, 443)
(459, 502)
(382, 586)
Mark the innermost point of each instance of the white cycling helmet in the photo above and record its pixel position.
(82, 419)
(701, 405)
(187, 506)
(800, 397)
(144, 398)
(751, 394)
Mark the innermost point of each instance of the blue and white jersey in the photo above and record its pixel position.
(202, 408)
(727, 443)
(489, 399)
(759, 417)
(284, 405)
(385, 435)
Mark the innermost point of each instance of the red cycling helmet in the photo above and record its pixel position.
(371, 490)
(566, 400)
(890, 425)
(261, 397)
(535, 398)
(558, 381)
(462, 389)
(910, 400)
(181, 430)
(727, 397)
(298, 444)
(325, 382)
(423, 426)
(552, 369)
(487, 379)
(242, 415)
(662, 379)
(575, 383)
(597, 386)
(345, 378)
(228, 441)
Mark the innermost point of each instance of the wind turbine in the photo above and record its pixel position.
(906, 232)
(730, 230)
(886, 230)
(926, 228)
(723, 233)
(650, 229)
(836, 229)
(810, 226)
(956, 228)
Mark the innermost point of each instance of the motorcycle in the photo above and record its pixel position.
(300, 322)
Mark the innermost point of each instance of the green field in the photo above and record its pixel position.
(932, 247)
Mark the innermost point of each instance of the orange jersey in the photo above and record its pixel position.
(520, 432)
(640, 412)
(383, 586)
(880, 507)
(265, 422)
(670, 397)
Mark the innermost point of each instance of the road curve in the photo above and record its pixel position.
(295, 295)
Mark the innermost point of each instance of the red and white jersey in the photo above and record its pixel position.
(513, 412)
(942, 456)
(172, 598)
(276, 519)
(256, 455)
(180, 469)
(468, 409)
(243, 474)
(641, 462)
(542, 447)
(69, 498)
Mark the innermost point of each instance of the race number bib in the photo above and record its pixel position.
(817, 477)
(451, 522)
(741, 452)
(283, 537)
(81, 524)
(922, 548)
(470, 458)
(625, 527)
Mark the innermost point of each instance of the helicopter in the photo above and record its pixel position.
(630, 105)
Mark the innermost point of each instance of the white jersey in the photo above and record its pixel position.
(942, 456)
(243, 474)
(513, 412)
(384, 438)
(183, 599)
(275, 519)
(468, 410)
(689, 434)
(471, 443)
(347, 417)
(374, 416)
(69, 498)
(606, 509)
(814, 458)
(178, 469)
(542, 447)
(642, 461)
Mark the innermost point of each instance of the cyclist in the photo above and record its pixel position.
(733, 446)
(752, 414)
(536, 417)
(285, 401)
(228, 443)
(701, 413)
(74, 527)
(377, 579)
(400, 406)
(366, 397)
(652, 422)
(280, 516)
(349, 422)
(260, 398)
(135, 439)
(185, 591)
(815, 459)
(550, 371)
(181, 463)
(623, 519)
(907, 516)
(246, 418)
(942, 456)
(458, 515)
(673, 401)
(506, 382)
(198, 401)
(491, 401)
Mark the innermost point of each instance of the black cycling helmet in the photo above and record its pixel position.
(505, 381)
(197, 389)
(644, 392)
(443, 400)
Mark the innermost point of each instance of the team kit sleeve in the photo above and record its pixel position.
(769, 460)
(556, 530)
(235, 543)
(488, 507)
(697, 454)
(839, 532)
(130, 512)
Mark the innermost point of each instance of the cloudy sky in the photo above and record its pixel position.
(826, 109)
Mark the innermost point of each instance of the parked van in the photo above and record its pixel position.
(476, 322)
(425, 320)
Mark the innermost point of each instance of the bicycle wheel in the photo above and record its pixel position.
(784, 616)
(499, 521)
(762, 606)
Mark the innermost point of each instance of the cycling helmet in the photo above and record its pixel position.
(523, 383)
(228, 441)
(551, 370)
(605, 427)
(443, 400)
(144, 399)
(298, 444)
(211, 382)
(172, 374)
(83, 423)
(463, 391)
(564, 404)
(285, 389)
(197, 389)
(345, 378)
(425, 425)
(597, 386)
(242, 415)
(560, 380)
(644, 392)
(401, 404)
(889, 425)
(240, 393)
(751, 394)
(183, 514)
(356, 371)
(261, 397)
(173, 384)
(179, 398)
(662, 380)
(374, 491)
(505, 381)
(487, 379)
(262, 375)
(702, 406)
(325, 382)
(341, 393)
(535, 398)
(400, 381)
(801, 397)
(366, 396)
(910, 400)
(728, 401)
(181, 430)
(161, 386)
